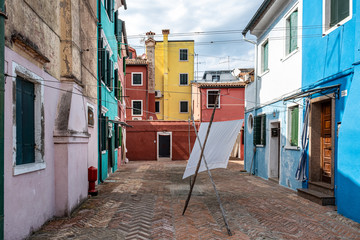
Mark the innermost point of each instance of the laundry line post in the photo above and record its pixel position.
(213, 183)
(201, 155)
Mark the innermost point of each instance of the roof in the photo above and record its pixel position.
(259, 13)
(236, 84)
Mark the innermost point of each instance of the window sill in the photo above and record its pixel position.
(295, 148)
(183, 112)
(27, 168)
(264, 73)
(183, 85)
(262, 146)
(326, 32)
(183, 60)
(290, 55)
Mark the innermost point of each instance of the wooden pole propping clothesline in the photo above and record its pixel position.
(210, 176)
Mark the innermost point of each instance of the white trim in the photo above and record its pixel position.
(326, 17)
(207, 99)
(132, 79)
(132, 107)
(250, 130)
(106, 43)
(89, 105)
(187, 54)
(180, 106)
(104, 110)
(187, 84)
(157, 145)
(28, 75)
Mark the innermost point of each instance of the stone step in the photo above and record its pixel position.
(315, 196)
(322, 187)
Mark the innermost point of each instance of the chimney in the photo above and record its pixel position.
(150, 35)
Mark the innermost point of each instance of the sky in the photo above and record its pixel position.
(205, 21)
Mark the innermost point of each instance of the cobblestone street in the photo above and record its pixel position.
(144, 200)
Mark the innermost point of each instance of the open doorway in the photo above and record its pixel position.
(164, 146)
(274, 161)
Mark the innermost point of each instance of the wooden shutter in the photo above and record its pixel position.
(263, 130)
(116, 128)
(266, 56)
(257, 130)
(25, 122)
(111, 75)
(102, 61)
(293, 30)
(116, 84)
(106, 71)
(294, 126)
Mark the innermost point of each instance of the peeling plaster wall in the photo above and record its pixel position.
(30, 197)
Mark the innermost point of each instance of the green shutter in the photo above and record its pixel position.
(25, 122)
(257, 130)
(294, 126)
(103, 61)
(116, 84)
(293, 31)
(111, 75)
(266, 56)
(263, 136)
(120, 136)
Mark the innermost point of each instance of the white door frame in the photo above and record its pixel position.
(157, 146)
(272, 145)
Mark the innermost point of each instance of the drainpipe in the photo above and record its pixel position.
(147, 93)
(99, 91)
(2, 112)
(256, 86)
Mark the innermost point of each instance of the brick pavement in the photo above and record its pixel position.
(144, 200)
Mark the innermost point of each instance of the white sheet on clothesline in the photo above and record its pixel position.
(218, 148)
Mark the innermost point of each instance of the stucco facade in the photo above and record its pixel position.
(44, 50)
(277, 74)
(168, 68)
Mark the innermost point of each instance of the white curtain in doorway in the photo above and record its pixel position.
(218, 148)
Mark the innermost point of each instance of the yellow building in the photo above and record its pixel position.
(174, 69)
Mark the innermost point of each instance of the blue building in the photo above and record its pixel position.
(110, 34)
(305, 116)
(272, 125)
(331, 55)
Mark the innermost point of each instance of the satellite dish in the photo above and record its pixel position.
(236, 72)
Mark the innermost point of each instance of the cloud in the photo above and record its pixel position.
(187, 16)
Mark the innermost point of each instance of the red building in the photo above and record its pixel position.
(231, 103)
(139, 101)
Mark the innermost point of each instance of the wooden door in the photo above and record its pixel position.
(326, 141)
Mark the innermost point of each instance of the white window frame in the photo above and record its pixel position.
(326, 17)
(159, 106)
(132, 107)
(262, 70)
(39, 163)
(187, 106)
(187, 79)
(187, 54)
(289, 129)
(207, 98)
(250, 123)
(132, 79)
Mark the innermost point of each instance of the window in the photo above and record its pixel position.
(157, 107)
(260, 130)
(109, 7)
(250, 123)
(211, 98)
(183, 55)
(293, 126)
(106, 67)
(104, 133)
(265, 56)
(215, 78)
(291, 32)
(136, 79)
(25, 121)
(184, 78)
(184, 106)
(136, 107)
(90, 116)
(118, 135)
